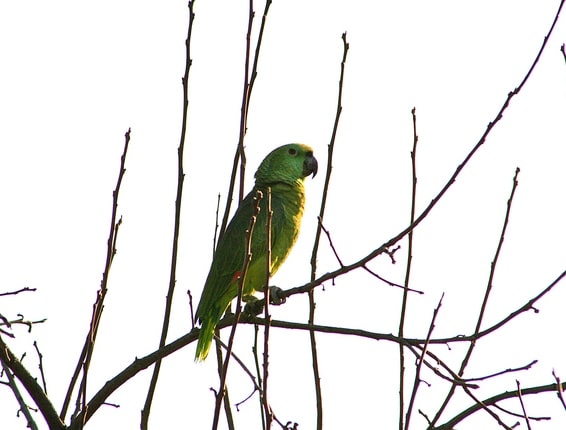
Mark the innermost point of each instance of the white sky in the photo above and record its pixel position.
(73, 78)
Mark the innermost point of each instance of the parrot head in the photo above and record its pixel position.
(288, 164)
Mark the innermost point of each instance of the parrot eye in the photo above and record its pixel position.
(292, 151)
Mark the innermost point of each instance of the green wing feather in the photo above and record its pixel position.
(283, 171)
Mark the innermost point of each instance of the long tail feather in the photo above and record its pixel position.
(205, 339)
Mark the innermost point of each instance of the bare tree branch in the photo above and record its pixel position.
(86, 353)
(177, 224)
(267, 410)
(498, 398)
(21, 290)
(489, 286)
(312, 305)
(520, 395)
(16, 368)
(420, 361)
(407, 278)
(249, 80)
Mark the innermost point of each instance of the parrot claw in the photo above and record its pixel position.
(253, 306)
(276, 296)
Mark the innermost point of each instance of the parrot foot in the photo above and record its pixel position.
(253, 306)
(276, 296)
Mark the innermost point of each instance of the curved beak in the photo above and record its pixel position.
(310, 165)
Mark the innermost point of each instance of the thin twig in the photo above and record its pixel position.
(401, 331)
(216, 226)
(177, 223)
(228, 410)
(9, 323)
(257, 386)
(391, 284)
(502, 372)
(327, 233)
(240, 156)
(267, 316)
(516, 415)
(88, 347)
(489, 286)
(219, 360)
(417, 381)
(520, 396)
(467, 389)
(312, 305)
(559, 391)
(21, 290)
(191, 309)
(485, 407)
(40, 357)
(435, 362)
(258, 373)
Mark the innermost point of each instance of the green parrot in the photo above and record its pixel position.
(284, 171)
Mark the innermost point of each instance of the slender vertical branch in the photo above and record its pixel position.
(312, 303)
(401, 331)
(520, 395)
(239, 156)
(41, 372)
(216, 226)
(246, 264)
(489, 286)
(219, 362)
(266, 408)
(258, 374)
(249, 80)
(226, 403)
(88, 347)
(559, 391)
(177, 223)
(420, 362)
